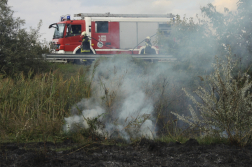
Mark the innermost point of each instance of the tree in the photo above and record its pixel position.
(190, 42)
(232, 29)
(19, 50)
(245, 20)
(186, 38)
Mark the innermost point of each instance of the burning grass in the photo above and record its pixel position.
(120, 100)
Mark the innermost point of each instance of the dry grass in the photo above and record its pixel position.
(35, 107)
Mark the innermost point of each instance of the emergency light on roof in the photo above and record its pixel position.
(65, 17)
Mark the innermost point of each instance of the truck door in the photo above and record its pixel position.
(107, 33)
(72, 37)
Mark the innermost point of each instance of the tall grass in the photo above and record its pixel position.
(35, 107)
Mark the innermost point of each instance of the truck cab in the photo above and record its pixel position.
(66, 36)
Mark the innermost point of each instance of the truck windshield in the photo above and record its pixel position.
(59, 33)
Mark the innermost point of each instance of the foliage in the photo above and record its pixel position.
(187, 37)
(245, 18)
(30, 107)
(34, 105)
(231, 29)
(19, 50)
(191, 42)
(225, 106)
(194, 40)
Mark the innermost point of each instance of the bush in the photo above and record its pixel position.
(224, 106)
(19, 50)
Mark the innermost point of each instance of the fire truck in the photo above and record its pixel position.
(109, 34)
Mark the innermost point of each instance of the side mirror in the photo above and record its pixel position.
(50, 26)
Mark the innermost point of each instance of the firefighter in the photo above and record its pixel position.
(148, 45)
(85, 47)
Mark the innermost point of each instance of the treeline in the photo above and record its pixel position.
(211, 33)
(20, 50)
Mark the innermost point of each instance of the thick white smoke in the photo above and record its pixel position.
(76, 121)
(120, 92)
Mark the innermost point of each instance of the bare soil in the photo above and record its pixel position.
(143, 153)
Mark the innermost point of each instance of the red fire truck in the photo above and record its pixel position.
(109, 33)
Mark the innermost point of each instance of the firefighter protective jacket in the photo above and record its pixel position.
(147, 49)
(85, 44)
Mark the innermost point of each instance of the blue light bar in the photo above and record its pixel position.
(65, 17)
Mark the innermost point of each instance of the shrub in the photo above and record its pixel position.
(225, 105)
(19, 50)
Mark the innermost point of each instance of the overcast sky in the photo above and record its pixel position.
(49, 11)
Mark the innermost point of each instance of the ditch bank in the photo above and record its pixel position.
(143, 153)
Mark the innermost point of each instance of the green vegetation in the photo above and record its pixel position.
(33, 108)
(19, 50)
(224, 104)
(36, 97)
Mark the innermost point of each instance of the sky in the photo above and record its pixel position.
(49, 11)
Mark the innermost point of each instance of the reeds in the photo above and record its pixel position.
(37, 106)
(34, 108)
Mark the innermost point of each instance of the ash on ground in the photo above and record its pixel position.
(142, 153)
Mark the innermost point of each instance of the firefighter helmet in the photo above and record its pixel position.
(84, 33)
(147, 39)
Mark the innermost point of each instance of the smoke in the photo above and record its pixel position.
(78, 121)
(129, 94)
(121, 93)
